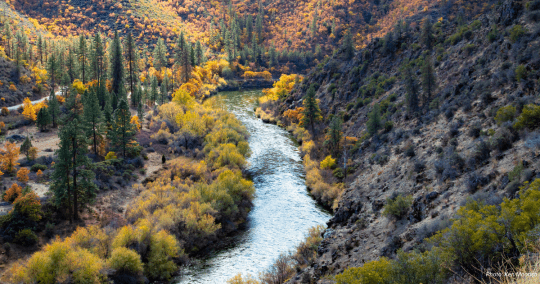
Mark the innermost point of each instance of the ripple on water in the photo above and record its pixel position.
(283, 211)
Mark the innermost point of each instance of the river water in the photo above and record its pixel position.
(283, 211)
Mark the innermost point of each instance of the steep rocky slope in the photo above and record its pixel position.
(450, 151)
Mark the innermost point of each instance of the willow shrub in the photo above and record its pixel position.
(125, 260)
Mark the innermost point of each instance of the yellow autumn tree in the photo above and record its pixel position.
(28, 110)
(135, 121)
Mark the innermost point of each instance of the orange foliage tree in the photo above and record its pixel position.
(22, 175)
(13, 193)
(9, 157)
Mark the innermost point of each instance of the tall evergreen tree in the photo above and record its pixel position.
(82, 54)
(117, 68)
(108, 112)
(40, 49)
(97, 59)
(61, 184)
(122, 132)
(429, 80)
(164, 91)
(132, 59)
(43, 119)
(312, 112)
(348, 46)
(199, 53)
(54, 109)
(73, 178)
(374, 122)
(314, 24)
(140, 112)
(412, 90)
(334, 135)
(427, 33)
(102, 92)
(71, 68)
(186, 65)
(25, 147)
(52, 69)
(154, 90)
(92, 119)
(160, 51)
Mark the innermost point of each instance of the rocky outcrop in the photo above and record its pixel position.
(476, 76)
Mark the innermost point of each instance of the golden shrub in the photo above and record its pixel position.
(22, 175)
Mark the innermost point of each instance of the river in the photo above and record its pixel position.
(283, 210)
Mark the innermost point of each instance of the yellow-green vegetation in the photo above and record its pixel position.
(529, 117)
(327, 194)
(505, 114)
(482, 235)
(397, 206)
(180, 212)
(328, 163)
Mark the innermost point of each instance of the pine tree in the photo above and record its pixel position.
(429, 81)
(25, 147)
(348, 46)
(312, 112)
(199, 53)
(71, 69)
(43, 119)
(102, 93)
(54, 109)
(334, 135)
(108, 112)
(163, 90)
(82, 53)
(132, 58)
(71, 108)
(73, 178)
(117, 68)
(192, 55)
(180, 45)
(186, 65)
(61, 184)
(249, 27)
(412, 90)
(40, 48)
(122, 132)
(97, 59)
(154, 90)
(160, 51)
(52, 69)
(374, 121)
(135, 97)
(92, 119)
(427, 33)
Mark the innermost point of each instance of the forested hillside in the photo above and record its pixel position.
(425, 145)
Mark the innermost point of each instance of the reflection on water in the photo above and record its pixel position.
(283, 211)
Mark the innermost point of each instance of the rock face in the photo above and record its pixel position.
(460, 151)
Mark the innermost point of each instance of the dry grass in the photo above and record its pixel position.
(528, 271)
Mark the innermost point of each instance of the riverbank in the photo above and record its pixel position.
(283, 210)
(246, 84)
